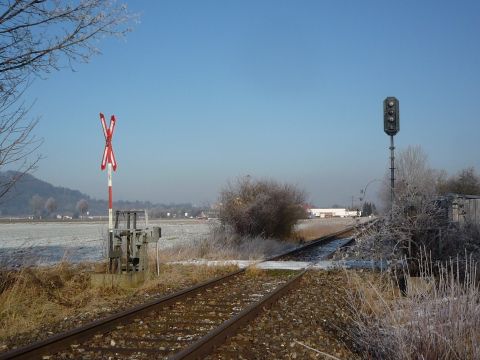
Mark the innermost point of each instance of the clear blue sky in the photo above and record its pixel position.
(205, 91)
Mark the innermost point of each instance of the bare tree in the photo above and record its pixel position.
(415, 218)
(37, 203)
(36, 38)
(51, 205)
(413, 177)
(465, 182)
(82, 206)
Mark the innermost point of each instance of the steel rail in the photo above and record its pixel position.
(217, 337)
(61, 341)
(314, 243)
(324, 240)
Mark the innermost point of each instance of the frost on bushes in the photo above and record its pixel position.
(416, 221)
(413, 223)
(438, 317)
(223, 243)
(261, 208)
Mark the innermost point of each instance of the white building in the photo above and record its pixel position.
(326, 213)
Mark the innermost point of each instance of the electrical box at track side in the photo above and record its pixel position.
(128, 244)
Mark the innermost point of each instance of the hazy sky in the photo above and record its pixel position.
(205, 91)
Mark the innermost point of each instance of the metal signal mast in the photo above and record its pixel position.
(391, 126)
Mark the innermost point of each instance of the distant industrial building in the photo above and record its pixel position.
(334, 212)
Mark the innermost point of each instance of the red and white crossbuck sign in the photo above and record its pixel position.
(109, 161)
(108, 154)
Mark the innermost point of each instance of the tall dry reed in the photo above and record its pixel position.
(438, 317)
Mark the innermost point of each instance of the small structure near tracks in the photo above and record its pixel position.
(128, 249)
(462, 209)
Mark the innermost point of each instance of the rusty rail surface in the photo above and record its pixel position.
(202, 346)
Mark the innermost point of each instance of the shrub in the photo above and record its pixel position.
(261, 208)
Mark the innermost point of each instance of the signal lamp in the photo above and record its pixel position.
(391, 116)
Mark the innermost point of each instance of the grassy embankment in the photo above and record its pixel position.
(58, 297)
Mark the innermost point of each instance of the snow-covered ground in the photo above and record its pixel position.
(49, 242)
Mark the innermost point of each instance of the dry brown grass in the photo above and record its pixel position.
(438, 318)
(33, 295)
(222, 244)
(34, 298)
(254, 272)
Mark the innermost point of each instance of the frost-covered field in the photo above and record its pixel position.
(50, 242)
(47, 242)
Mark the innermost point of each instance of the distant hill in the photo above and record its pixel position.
(29, 196)
(17, 202)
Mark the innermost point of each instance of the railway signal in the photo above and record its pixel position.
(391, 126)
(391, 116)
(109, 162)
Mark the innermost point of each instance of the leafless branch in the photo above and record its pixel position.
(37, 37)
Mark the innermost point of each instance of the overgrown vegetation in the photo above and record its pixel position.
(262, 208)
(419, 216)
(438, 318)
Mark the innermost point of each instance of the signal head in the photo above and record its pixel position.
(391, 116)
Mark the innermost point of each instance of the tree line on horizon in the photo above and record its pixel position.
(38, 198)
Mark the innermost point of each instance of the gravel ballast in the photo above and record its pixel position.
(310, 320)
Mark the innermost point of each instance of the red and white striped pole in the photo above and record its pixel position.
(108, 160)
(110, 199)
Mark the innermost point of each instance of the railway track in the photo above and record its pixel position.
(184, 325)
(319, 249)
(324, 247)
